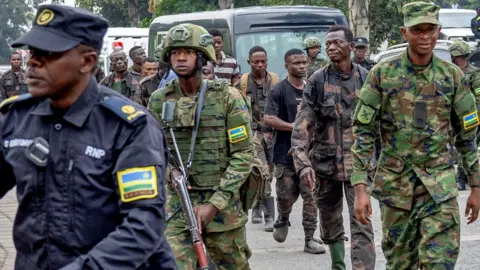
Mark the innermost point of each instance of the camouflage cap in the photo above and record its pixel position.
(459, 48)
(420, 12)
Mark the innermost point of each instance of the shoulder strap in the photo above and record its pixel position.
(198, 111)
(123, 109)
(5, 104)
(275, 78)
(318, 95)
(243, 84)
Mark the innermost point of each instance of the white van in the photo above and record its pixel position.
(127, 37)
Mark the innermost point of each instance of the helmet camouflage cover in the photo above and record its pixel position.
(311, 42)
(459, 48)
(188, 36)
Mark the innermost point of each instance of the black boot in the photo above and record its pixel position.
(269, 213)
(281, 229)
(257, 213)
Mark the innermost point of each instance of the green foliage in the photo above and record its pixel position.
(115, 11)
(16, 17)
(168, 7)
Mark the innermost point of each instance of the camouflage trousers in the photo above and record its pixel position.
(227, 250)
(289, 188)
(263, 142)
(427, 237)
(329, 198)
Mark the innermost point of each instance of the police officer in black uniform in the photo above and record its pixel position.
(88, 163)
(360, 53)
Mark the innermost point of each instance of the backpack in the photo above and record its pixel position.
(244, 80)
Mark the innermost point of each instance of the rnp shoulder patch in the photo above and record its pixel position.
(237, 134)
(365, 114)
(4, 105)
(137, 183)
(470, 120)
(123, 109)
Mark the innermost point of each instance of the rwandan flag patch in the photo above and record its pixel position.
(237, 134)
(137, 183)
(470, 120)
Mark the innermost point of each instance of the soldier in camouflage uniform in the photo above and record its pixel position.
(360, 52)
(312, 47)
(121, 80)
(460, 50)
(420, 102)
(13, 81)
(325, 111)
(223, 152)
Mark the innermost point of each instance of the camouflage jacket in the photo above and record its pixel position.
(313, 66)
(223, 150)
(325, 118)
(129, 83)
(146, 87)
(419, 113)
(12, 84)
(367, 63)
(473, 78)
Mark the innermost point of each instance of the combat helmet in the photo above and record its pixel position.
(188, 36)
(459, 48)
(158, 51)
(311, 42)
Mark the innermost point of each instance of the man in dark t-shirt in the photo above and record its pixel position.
(281, 109)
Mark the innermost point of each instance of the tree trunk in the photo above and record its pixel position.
(224, 4)
(358, 18)
(133, 15)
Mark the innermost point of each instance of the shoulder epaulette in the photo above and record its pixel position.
(123, 108)
(6, 104)
(217, 85)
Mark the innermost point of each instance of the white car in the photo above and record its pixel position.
(456, 24)
(440, 50)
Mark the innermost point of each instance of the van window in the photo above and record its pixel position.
(276, 44)
(456, 20)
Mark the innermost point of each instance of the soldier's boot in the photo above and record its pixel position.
(257, 213)
(337, 254)
(461, 179)
(280, 231)
(269, 213)
(313, 246)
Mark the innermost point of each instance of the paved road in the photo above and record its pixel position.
(8, 208)
(268, 254)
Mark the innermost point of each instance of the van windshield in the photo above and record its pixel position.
(456, 20)
(276, 44)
